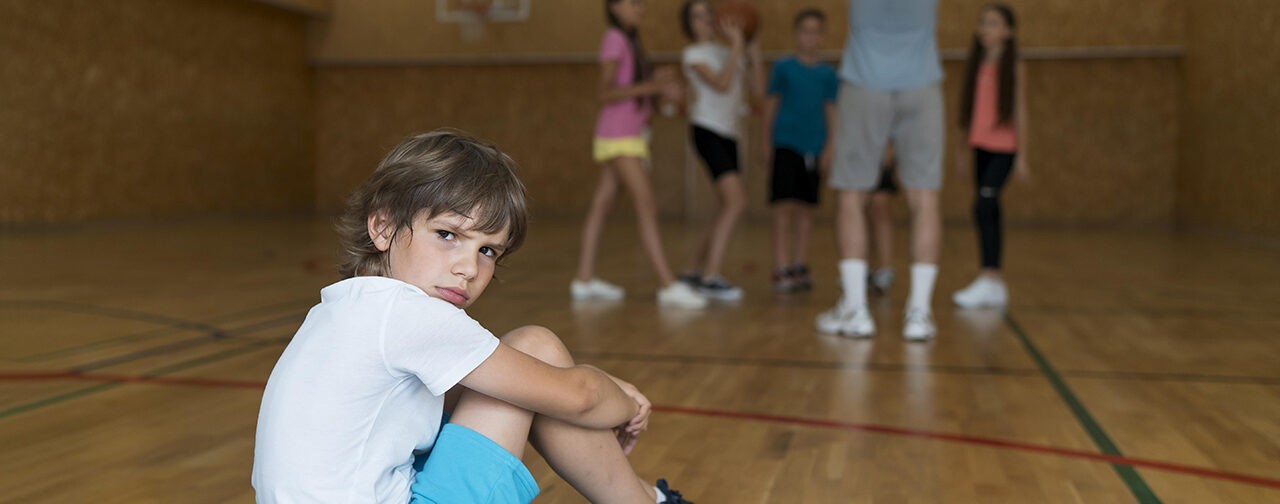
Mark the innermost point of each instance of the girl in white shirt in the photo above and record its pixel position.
(719, 73)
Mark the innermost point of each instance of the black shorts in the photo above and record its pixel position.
(887, 183)
(795, 177)
(720, 154)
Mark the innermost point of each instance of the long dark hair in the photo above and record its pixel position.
(1006, 71)
(640, 68)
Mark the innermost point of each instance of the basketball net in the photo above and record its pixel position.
(476, 14)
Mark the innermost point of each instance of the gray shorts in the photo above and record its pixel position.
(868, 118)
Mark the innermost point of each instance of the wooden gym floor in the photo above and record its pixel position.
(1132, 366)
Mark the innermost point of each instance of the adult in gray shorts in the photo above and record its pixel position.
(890, 90)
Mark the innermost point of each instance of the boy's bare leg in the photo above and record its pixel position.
(590, 460)
(804, 229)
(593, 226)
(782, 233)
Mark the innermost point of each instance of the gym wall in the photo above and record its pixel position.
(1104, 114)
(1229, 173)
(150, 108)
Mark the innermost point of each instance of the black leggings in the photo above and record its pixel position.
(990, 171)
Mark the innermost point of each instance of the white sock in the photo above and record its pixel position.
(853, 278)
(660, 498)
(922, 277)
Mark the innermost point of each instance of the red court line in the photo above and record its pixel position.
(758, 417)
(960, 438)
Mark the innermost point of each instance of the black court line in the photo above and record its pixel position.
(155, 333)
(1139, 488)
(187, 343)
(906, 368)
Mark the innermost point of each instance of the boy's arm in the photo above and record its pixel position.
(824, 160)
(580, 395)
(769, 111)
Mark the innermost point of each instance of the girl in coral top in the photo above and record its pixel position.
(993, 113)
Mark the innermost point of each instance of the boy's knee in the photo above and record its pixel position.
(540, 343)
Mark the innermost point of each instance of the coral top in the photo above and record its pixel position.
(985, 130)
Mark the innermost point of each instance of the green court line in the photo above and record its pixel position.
(1128, 474)
(172, 368)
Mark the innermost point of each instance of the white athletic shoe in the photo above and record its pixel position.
(982, 293)
(680, 295)
(918, 325)
(852, 322)
(595, 289)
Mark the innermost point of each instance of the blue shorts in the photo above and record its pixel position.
(464, 467)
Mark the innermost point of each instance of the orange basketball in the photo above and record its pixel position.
(742, 12)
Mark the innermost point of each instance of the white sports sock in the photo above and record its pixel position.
(660, 498)
(922, 277)
(853, 278)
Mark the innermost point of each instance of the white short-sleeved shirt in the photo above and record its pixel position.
(359, 390)
(712, 109)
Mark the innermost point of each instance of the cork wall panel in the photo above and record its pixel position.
(139, 108)
(391, 30)
(1103, 134)
(543, 116)
(1229, 175)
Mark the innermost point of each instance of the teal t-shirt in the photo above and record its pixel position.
(803, 92)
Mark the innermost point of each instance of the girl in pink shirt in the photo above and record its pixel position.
(993, 113)
(628, 86)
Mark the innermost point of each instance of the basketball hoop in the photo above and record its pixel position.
(475, 13)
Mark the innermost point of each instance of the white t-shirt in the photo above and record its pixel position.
(359, 390)
(712, 109)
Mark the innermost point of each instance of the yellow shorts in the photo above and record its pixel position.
(604, 149)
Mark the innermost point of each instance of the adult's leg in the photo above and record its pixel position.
(590, 460)
(882, 227)
(631, 172)
(593, 226)
(926, 225)
(851, 228)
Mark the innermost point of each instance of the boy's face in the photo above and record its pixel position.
(809, 34)
(444, 256)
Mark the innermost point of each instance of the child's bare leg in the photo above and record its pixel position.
(803, 230)
(782, 234)
(593, 466)
(882, 228)
(590, 460)
(631, 172)
(733, 202)
(593, 226)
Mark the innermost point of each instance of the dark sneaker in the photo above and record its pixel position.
(671, 496)
(691, 279)
(721, 289)
(782, 281)
(800, 277)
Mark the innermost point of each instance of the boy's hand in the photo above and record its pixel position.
(630, 431)
(824, 162)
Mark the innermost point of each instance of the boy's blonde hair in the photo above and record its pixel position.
(441, 171)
